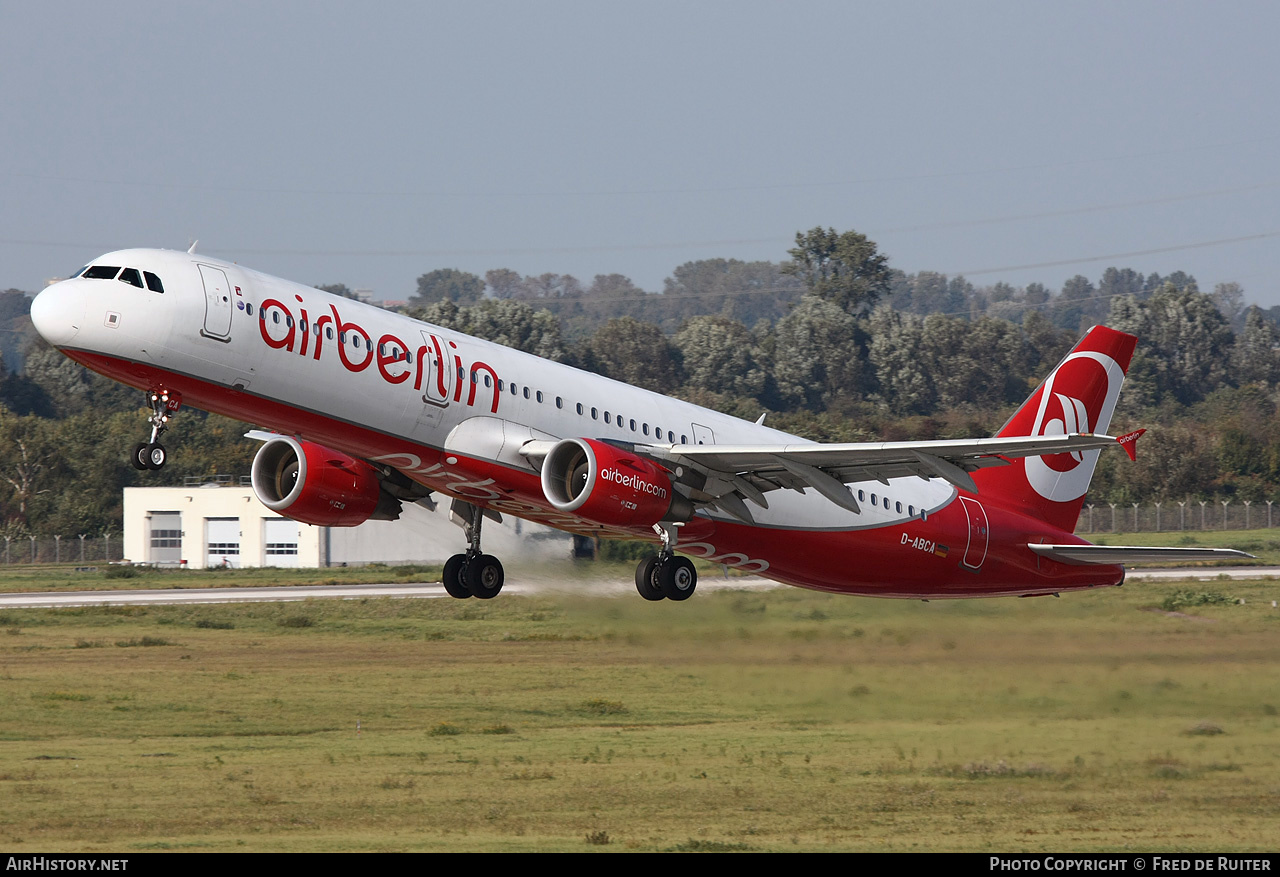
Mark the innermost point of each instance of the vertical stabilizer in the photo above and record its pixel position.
(1079, 396)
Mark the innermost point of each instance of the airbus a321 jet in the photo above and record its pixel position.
(370, 409)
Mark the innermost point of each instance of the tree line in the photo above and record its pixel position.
(833, 343)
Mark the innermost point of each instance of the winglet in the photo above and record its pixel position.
(1129, 441)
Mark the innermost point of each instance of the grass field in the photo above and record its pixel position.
(1140, 718)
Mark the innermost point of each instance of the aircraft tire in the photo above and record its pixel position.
(677, 578)
(155, 456)
(138, 458)
(452, 577)
(484, 576)
(645, 583)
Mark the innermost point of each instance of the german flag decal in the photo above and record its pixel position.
(940, 550)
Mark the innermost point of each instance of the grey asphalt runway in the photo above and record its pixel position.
(529, 584)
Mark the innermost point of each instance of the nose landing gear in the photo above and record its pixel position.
(151, 454)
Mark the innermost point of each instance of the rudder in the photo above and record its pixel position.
(1078, 396)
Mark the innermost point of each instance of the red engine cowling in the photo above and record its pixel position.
(605, 484)
(317, 485)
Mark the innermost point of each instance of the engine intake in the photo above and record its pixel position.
(610, 486)
(318, 485)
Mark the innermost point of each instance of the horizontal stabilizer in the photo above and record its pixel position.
(1112, 554)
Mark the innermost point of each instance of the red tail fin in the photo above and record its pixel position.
(1079, 396)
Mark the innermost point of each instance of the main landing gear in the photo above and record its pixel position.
(151, 454)
(666, 576)
(473, 574)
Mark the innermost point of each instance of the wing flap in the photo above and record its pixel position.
(951, 459)
(1080, 555)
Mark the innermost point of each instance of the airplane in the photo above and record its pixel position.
(369, 409)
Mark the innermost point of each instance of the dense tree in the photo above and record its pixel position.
(819, 356)
(842, 268)
(719, 356)
(744, 291)
(1185, 341)
(628, 350)
(448, 284)
(518, 325)
(1254, 357)
(896, 341)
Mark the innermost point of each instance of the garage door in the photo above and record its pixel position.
(280, 538)
(164, 539)
(222, 541)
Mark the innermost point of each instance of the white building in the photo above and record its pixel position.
(223, 524)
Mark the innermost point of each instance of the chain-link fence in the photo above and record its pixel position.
(1185, 515)
(104, 548)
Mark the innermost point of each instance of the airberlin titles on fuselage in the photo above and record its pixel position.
(304, 337)
(635, 482)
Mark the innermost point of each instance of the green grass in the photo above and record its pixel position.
(779, 720)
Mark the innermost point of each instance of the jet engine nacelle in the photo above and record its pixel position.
(317, 485)
(610, 486)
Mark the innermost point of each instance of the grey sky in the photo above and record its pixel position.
(369, 143)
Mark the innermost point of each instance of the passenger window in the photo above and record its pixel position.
(501, 386)
(275, 316)
(408, 357)
(488, 381)
(897, 507)
(645, 429)
(579, 409)
(153, 282)
(302, 326)
(593, 414)
(862, 496)
(539, 394)
(559, 402)
(328, 331)
(633, 426)
(526, 392)
(342, 336)
(515, 391)
(873, 499)
(102, 272)
(606, 417)
(288, 321)
(911, 510)
(248, 308)
(683, 440)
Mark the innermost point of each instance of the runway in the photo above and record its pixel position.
(531, 584)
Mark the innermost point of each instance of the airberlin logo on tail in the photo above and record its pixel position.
(635, 482)
(1080, 392)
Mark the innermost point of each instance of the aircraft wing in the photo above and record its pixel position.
(1088, 554)
(749, 471)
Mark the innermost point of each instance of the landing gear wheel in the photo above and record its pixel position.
(139, 456)
(452, 578)
(677, 578)
(155, 456)
(645, 581)
(483, 575)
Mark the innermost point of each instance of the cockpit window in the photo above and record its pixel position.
(78, 273)
(102, 272)
(153, 282)
(131, 276)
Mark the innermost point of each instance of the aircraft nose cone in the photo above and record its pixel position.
(58, 313)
